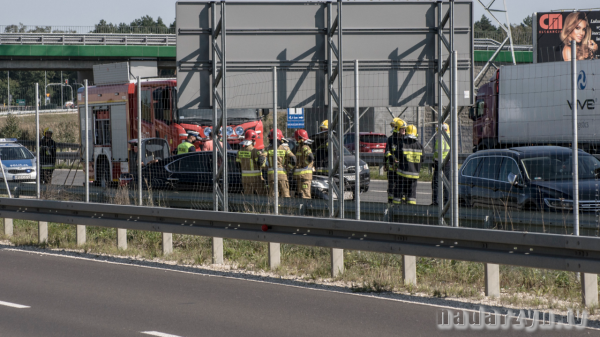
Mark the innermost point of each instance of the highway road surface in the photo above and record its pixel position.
(377, 190)
(50, 295)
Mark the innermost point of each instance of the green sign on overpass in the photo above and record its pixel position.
(88, 51)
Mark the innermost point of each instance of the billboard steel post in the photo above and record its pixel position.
(87, 146)
(575, 153)
(139, 136)
(454, 136)
(224, 135)
(37, 148)
(356, 144)
(340, 115)
(275, 145)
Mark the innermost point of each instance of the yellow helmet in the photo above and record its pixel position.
(324, 125)
(400, 124)
(445, 127)
(393, 123)
(411, 131)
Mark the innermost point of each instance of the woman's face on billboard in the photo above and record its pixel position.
(579, 32)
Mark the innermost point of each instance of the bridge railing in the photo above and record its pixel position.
(88, 39)
(96, 29)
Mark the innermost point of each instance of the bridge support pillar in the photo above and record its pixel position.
(42, 232)
(274, 255)
(589, 289)
(492, 280)
(217, 250)
(337, 262)
(81, 235)
(409, 269)
(121, 238)
(8, 227)
(167, 243)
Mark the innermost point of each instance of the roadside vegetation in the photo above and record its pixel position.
(364, 271)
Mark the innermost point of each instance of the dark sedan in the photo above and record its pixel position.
(529, 178)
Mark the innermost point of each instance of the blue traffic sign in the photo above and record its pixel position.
(295, 118)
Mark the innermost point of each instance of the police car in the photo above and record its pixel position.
(18, 163)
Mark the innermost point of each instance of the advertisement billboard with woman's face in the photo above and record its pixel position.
(556, 30)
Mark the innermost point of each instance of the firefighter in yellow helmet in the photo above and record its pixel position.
(304, 169)
(286, 161)
(324, 126)
(47, 157)
(393, 151)
(437, 162)
(410, 170)
(251, 161)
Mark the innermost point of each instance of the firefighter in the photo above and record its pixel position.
(389, 164)
(324, 126)
(251, 160)
(437, 163)
(394, 158)
(413, 157)
(305, 160)
(188, 144)
(47, 157)
(286, 161)
(321, 152)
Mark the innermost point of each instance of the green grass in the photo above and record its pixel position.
(364, 271)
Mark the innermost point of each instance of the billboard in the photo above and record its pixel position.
(554, 31)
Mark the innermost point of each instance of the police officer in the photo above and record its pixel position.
(304, 169)
(395, 160)
(410, 171)
(437, 163)
(47, 157)
(251, 160)
(188, 144)
(389, 164)
(286, 161)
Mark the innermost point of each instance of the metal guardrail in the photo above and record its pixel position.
(491, 44)
(31, 111)
(377, 159)
(89, 39)
(535, 250)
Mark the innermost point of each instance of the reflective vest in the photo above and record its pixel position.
(250, 160)
(304, 164)
(409, 165)
(445, 149)
(393, 150)
(184, 147)
(284, 155)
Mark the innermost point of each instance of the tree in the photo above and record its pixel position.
(527, 22)
(485, 25)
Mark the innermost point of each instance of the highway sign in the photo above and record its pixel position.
(20, 102)
(295, 118)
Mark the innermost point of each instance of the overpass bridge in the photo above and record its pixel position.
(81, 51)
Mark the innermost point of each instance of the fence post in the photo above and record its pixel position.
(42, 232)
(121, 238)
(589, 289)
(409, 269)
(81, 229)
(167, 243)
(217, 250)
(8, 227)
(492, 280)
(275, 248)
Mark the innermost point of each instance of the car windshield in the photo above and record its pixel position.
(15, 153)
(373, 139)
(558, 167)
(206, 115)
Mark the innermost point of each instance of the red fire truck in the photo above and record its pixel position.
(113, 123)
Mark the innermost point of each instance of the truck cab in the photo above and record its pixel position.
(485, 115)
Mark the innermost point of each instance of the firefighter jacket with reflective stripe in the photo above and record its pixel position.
(393, 151)
(47, 153)
(286, 161)
(185, 147)
(412, 157)
(251, 160)
(305, 159)
(445, 149)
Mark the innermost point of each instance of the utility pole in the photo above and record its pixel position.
(61, 91)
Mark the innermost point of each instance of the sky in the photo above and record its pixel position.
(88, 13)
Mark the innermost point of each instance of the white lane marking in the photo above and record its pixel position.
(14, 305)
(159, 334)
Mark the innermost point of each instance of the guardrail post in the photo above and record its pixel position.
(217, 250)
(42, 232)
(589, 289)
(8, 227)
(81, 235)
(492, 280)
(121, 238)
(337, 262)
(274, 255)
(167, 243)
(409, 269)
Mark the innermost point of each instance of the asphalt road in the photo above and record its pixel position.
(377, 190)
(75, 297)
